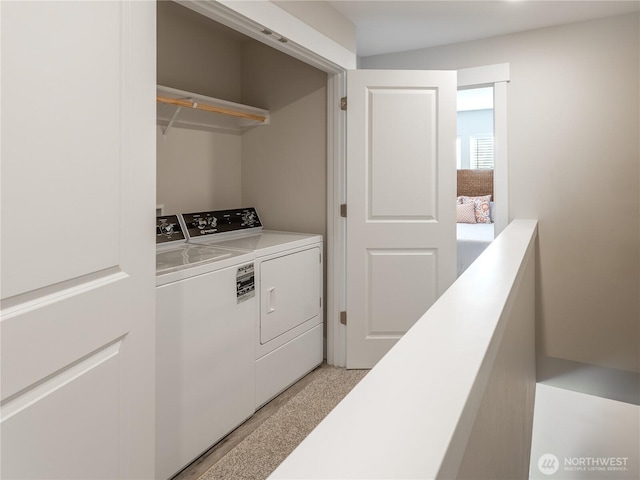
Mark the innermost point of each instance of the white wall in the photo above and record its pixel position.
(574, 164)
(499, 444)
(198, 171)
(284, 163)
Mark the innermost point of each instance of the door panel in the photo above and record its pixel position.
(78, 278)
(53, 327)
(394, 302)
(403, 129)
(39, 424)
(59, 108)
(401, 197)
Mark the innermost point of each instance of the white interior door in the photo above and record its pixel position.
(78, 276)
(401, 189)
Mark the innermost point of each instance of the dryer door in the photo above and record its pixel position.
(290, 292)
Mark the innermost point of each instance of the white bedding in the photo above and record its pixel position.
(473, 238)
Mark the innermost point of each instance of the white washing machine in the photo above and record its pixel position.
(205, 360)
(289, 313)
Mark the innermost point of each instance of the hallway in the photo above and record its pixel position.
(576, 435)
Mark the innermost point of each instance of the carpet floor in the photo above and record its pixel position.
(258, 455)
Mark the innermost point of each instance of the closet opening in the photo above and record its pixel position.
(241, 156)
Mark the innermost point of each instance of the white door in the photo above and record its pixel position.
(78, 275)
(401, 190)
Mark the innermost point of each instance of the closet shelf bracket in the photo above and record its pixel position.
(173, 119)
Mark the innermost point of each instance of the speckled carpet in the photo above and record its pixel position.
(268, 445)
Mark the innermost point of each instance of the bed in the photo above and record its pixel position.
(475, 228)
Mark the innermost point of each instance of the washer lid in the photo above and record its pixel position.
(270, 241)
(187, 255)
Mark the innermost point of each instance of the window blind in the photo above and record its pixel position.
(482, 152)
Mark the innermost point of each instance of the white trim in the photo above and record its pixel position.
(336, 225)
(288, 34)
(485, 75)
(500, 158)
(33, 394)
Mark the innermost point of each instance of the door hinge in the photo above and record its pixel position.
(343, 210)
(343, 103)
(343, 318)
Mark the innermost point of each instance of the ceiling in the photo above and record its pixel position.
(386, 26)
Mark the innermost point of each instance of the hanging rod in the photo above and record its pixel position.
(210, 108)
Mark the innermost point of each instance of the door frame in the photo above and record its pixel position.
(336, 298)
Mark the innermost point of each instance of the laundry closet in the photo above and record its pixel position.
(239, 292)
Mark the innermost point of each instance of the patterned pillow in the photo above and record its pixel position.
(482, 207)
(466, 213)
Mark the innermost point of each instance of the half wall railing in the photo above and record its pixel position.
(454, 397)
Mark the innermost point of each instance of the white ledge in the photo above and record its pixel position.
(401, 419)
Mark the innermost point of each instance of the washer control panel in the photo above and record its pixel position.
(168, 229)
(216, 222)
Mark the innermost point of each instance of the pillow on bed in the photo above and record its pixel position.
(482, 207)
(466, 213)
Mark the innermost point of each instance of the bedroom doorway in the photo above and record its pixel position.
(475, 128)
(475, 165)
(496, 76)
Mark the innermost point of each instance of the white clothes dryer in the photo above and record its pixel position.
(289, 285)
(205, 360)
